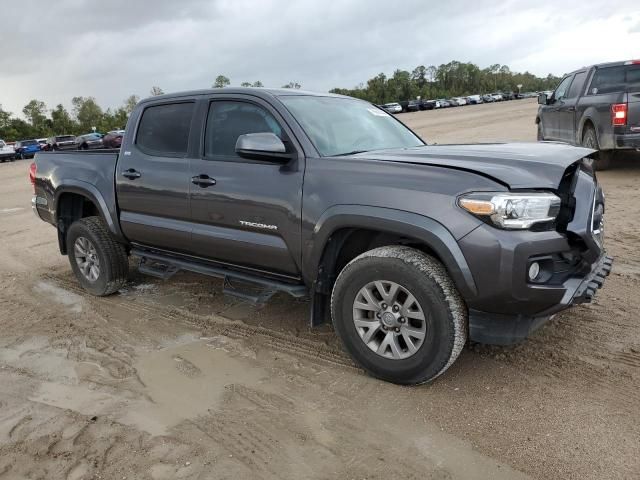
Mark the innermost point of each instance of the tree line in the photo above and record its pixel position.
(40, 121)
(453, 79)
(447, 80)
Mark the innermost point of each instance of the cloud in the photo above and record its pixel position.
(113, 49)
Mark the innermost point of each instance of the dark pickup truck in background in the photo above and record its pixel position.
(409, 249)
(597, 107)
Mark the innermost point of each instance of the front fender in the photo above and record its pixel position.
(381, 219)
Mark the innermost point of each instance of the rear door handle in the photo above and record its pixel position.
(203, 180)
(131, 174)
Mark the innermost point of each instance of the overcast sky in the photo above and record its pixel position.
(54, 50)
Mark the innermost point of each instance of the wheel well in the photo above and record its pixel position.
(72, 207)
(343, 246)
(587, 123)
(537, 120)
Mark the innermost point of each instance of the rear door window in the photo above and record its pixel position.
(577, 86)
(164, 129)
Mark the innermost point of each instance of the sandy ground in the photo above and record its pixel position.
(170, 380)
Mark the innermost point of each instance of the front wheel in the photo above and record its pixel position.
(399, 314)
(98, 261)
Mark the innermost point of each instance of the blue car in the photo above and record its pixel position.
(26, 148)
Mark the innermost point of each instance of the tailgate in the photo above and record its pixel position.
(633, 98)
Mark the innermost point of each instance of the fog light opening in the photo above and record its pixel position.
(534, 270)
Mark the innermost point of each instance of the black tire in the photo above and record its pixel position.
(540, 132)
(112, 256)
(603, 157)
(426, 279)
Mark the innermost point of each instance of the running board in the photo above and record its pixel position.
(251, 288)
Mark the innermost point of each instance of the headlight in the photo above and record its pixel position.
(512, 211)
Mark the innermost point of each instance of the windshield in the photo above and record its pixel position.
(64, 138)
(26, 143)
(339, 126)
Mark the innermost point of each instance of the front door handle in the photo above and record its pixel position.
(203, 180)
(131, 174)
(571, 109)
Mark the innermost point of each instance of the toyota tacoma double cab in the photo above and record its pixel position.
(409, 249)
(597, 107)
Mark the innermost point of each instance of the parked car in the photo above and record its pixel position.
(413, 106)
(113, 139)
(409, 249)
(508, 95)
(427, 104)
(597, 107)
(474, 99)
(89, 141)
(460, 100)
(61, 142)
(444, 103)
(6, 152)
(497, 97)
(26, 148)
(453, 102)
(42, 142)
(392, 107)
(488, 98)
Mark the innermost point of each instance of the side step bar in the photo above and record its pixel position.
(248, 287)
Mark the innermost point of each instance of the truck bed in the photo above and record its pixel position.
(90, 170)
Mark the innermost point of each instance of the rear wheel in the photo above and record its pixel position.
(399, 315)
(98, 261)
(540, 132)
(603, 157)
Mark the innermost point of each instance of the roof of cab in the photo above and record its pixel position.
(256, 91)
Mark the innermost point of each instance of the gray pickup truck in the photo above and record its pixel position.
(409, 249)
(597, 107)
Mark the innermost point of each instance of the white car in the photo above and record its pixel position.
(497, 97)
(392, 107)
(6, 152)
(461, 101)
(474, 99)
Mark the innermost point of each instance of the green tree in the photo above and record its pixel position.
(257, 83)
(155, 91)
(36, 113)
(130, 103)
(292, 85)
(61, 121)
(245, 84)
(221, 82)
(87, 112)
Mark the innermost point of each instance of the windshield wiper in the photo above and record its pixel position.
(350, 153)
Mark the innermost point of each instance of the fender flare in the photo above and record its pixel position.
(382, 219)
(92, 193)
(586, 118)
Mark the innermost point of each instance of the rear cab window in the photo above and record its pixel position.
(621, 78)
(164, 129)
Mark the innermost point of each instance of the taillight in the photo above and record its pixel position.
(632, 62)
(618, 114)
(32, 175)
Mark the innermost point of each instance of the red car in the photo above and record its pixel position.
(113, 139)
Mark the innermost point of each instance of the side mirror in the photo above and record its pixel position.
(542, 99)
(262, 146)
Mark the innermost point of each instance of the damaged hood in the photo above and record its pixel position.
(518, 165)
